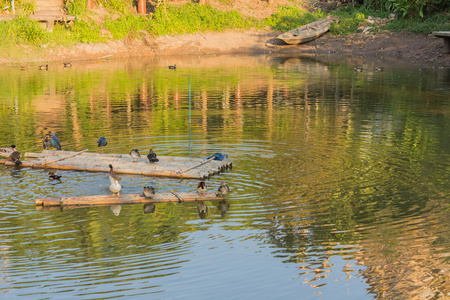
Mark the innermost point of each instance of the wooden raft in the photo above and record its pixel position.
(168, 166)
(99, 200)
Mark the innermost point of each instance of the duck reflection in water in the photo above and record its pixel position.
(223, 206)
(202, 209)
(149, 208)
(115, 209)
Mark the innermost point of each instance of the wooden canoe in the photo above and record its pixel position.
(307, 32)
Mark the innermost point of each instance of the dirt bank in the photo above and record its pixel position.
(410, 48)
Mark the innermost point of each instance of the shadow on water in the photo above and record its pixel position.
(339, 180)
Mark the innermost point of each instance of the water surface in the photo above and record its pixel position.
(340, 180)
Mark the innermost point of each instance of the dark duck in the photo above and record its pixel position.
(201, 188)
(102, 142)
(67, 64)
(15, 156)
(152, 156)
(43, 67)
(218, 156)
(135, 154)
(55, 142)
(174, 67)
(53, 176)
(149, 191)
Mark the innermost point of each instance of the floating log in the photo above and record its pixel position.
(168, 166)
(126, 199)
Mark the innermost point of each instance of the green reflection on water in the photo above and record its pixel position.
(323, 157)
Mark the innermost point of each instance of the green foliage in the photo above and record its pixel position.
(76, 7)
(290, 17)
(409, 8)
(28, 7)
(86, 32)
(120, 27)
(117, 6)
(194, 18)
(22, 30)
(349, 20)
(419, 25)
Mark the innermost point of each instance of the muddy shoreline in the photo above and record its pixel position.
(420, 50)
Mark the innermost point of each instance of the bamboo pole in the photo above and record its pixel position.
(126, 199)
(70, 156)
(202, 163)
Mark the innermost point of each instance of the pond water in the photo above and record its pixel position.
(340, 180)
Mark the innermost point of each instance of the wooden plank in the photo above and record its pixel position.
(126, 199)
(441, 33)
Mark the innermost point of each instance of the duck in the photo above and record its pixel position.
(218, 156)
(23, 68)
(135, 154)
(8, 151)
(149, 191)
(378, 69)
(201, 188)
(46, 142)
(55, 142)
(152, 156)
(115, 187)
(42, 67)
(67, 64)
(223, 189)
(112, 176)
(358, 69)
(174, 67)
(15, 156)
(102, 142)
(53, 175)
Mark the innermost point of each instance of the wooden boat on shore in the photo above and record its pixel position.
(307, 32)
(168, 166)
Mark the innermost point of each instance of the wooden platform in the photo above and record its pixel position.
(446, 36)
(101, 200)
(168, 166)
(47, 12)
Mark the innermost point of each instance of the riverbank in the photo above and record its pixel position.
(410, 48)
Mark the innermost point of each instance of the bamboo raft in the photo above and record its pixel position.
(168, 166)
(99, 200)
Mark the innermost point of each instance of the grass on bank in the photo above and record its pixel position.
(122, 21)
